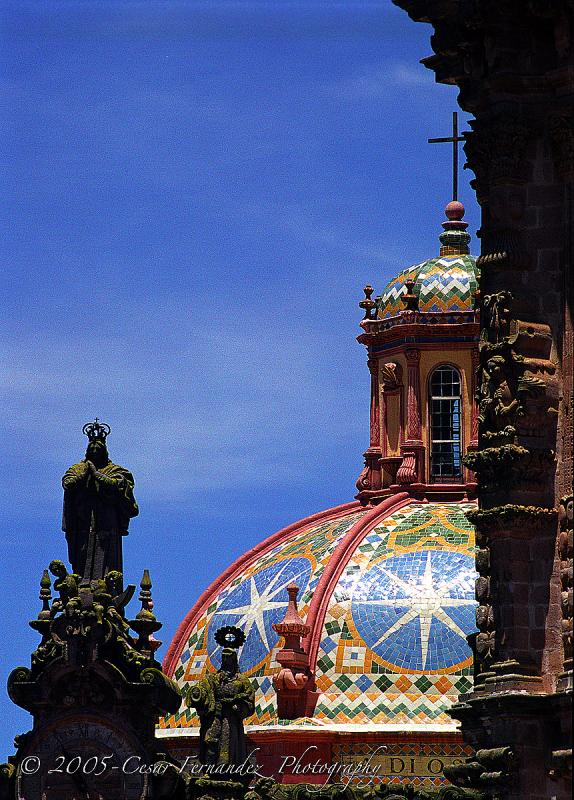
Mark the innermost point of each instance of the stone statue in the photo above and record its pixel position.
(223, 700)
(98, 505)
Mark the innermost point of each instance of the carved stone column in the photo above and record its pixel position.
(565, 681)
(513, 64)
(391, 388)
(411, 470)
(369, 481)
(375, 416)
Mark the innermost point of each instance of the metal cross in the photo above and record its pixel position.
(455, 139)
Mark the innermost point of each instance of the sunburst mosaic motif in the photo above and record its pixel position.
(393, 642)
(416, 609)
(254, 606)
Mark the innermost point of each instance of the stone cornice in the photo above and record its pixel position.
(475, 41)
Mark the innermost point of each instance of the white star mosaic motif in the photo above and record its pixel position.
(418, 617)
(251, 614)
(256, 604)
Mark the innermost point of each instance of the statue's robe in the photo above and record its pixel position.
(222, 738)
(96, 516)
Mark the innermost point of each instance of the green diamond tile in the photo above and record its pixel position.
(343, 682)
(383, 683)
(463, 685)
(325, 663)
(423, 683)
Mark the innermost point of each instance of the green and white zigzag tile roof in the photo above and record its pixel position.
(444, 284)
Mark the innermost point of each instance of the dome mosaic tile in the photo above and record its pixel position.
(443, 285)
(394, 643)
(254, 600)
(391, 640)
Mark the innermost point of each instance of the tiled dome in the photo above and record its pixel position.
(441, 285)
(388, 593)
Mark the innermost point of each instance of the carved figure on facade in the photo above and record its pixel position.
(496, 316)
(67, 585)
(498, 405)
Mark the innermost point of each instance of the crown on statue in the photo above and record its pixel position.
(96, 430)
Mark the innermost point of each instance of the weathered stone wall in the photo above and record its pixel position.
(513, 63)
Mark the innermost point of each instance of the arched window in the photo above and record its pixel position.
(445, 425)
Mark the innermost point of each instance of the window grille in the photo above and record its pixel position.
(445, 424)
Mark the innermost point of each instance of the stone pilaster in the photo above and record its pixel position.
(411, 470)
(369, 480)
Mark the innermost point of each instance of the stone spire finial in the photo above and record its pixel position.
(454, 240)
(294, 683)
(368, 304)
(145, 624)
(45, 616)
(410, 299)
(292, 628)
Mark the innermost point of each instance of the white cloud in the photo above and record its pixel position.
(224, 402)
(380, 81)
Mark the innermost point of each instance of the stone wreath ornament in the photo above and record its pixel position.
(230, 636)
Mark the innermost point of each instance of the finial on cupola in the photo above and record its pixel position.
(454, 239)
(410, 299)
(368, 304)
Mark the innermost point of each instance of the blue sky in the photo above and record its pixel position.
(193, 196)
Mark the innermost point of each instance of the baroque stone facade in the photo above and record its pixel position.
(513, 64)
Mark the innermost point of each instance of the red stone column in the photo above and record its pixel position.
(469, 476)
(369, 481)
(411, 470)
(375, 427)
(414, 428)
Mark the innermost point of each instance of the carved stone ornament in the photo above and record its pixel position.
(89, 670)
(495, 152)
(87, 623)
(565, 515)
(390, 376)
(294, 683)
(517, 399)
(496, 316)
(267, 789)
(561, 131)
(370, 477)
(488, 770)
